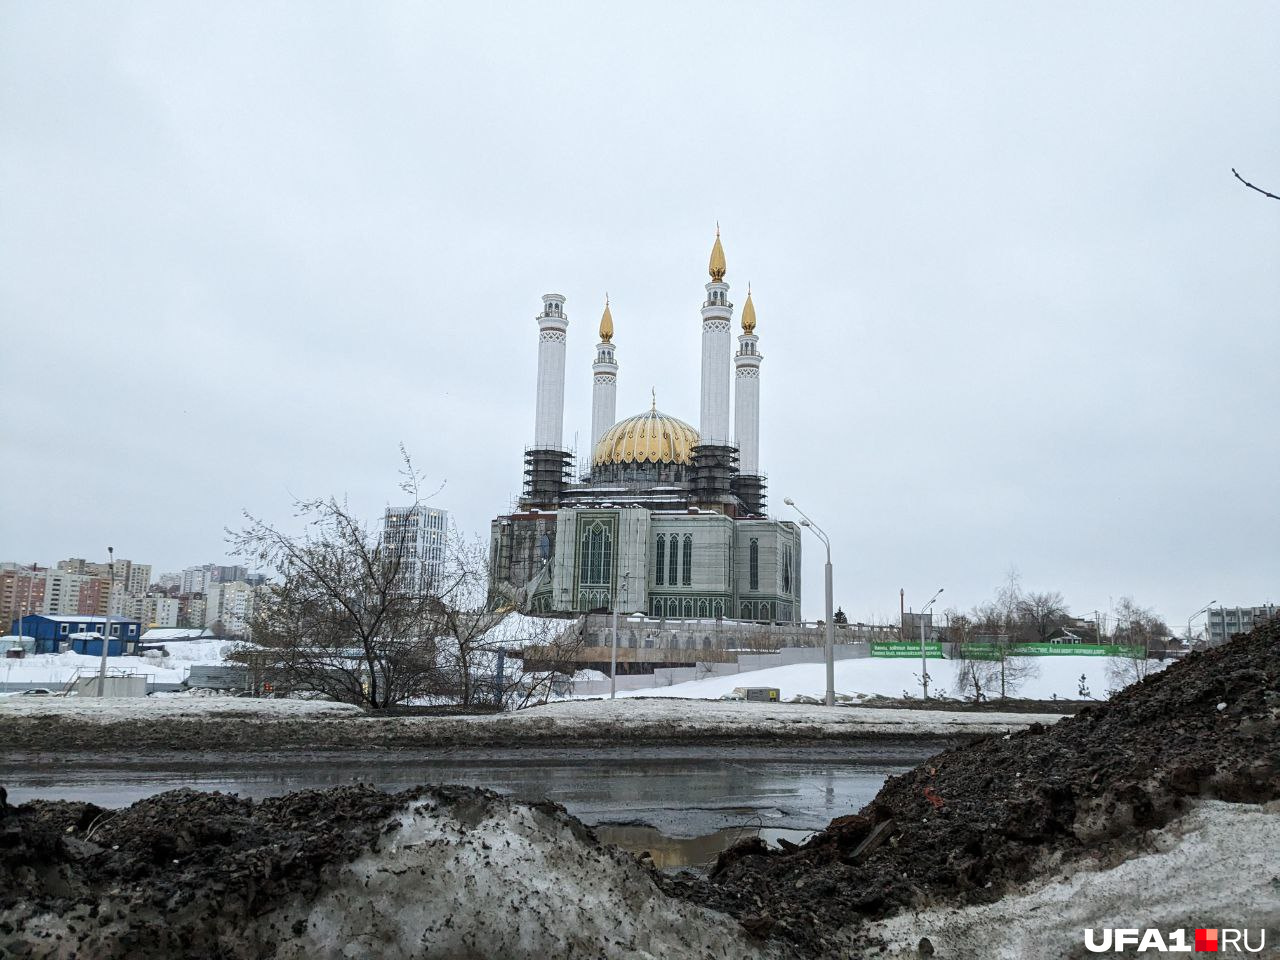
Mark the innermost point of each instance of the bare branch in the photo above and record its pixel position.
(1252, 187)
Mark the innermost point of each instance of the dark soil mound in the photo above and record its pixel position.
(971, 822)
(178, 857)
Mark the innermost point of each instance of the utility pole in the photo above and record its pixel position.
(106, 640)
(830, 698)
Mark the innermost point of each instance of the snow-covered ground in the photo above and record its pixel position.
(55, 669)
(170, 707)
(655, 719)
(1216, 867)
(1055, 677)
(659, 717)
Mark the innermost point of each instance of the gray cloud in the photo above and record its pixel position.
(1013, 307)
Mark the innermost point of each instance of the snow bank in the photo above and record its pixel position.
(496, 879)
(1214, 867)
(56, 669)
(660, 718)
(1057, 677)
(177, 707)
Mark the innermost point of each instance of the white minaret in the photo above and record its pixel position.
(717, 313)
(746, 393)
(604, 384)
(553, 325)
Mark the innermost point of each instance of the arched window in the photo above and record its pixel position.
(596, 555)
(687, 573)
(786, 569)
(660, 567)
(754, 564)
(673, 570)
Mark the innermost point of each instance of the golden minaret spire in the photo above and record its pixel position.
(606, 323)
(717, 266)
(748, 314)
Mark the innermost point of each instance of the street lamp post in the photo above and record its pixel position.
(924, 663)
(613, 654)
(106, 640)
(1196, 614)
(830, 622)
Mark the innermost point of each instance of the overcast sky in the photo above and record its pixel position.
(1014, 308)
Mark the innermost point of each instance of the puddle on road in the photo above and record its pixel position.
(698, 853)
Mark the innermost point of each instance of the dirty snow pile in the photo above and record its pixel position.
(1214, 867)
(177, 707)
(1081, 797)
(1053, 677)
(343, 873)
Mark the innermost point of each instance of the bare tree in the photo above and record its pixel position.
(340, 618)
(988, 666)
(1138, 630)
(1042, 613)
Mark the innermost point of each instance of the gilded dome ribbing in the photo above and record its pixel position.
(649, 437)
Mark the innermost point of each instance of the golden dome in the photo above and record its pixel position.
(748, 314)
(606, 324)
(649, 437)
(717, 267)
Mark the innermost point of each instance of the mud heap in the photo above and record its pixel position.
(347, 872)
(970, 823)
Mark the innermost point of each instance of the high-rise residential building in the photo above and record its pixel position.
(197, 579)
(191, 608)
(231, 605)
(62, 592)
(169, 581)
(1223, 623)
(421, 534)
(154, 611)
(93, 599)
(221, 574)
(134, 578)
(21, 592)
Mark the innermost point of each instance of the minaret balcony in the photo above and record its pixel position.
(547, 321)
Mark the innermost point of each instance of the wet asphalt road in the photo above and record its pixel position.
(680, 792)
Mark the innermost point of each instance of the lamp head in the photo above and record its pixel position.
(788, 501)
(805, 523)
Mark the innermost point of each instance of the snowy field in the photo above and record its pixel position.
(1056, 678)
(56, 669)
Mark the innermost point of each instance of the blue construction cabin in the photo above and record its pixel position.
(50, 631)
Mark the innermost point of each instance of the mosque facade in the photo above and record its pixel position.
(665, 519)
